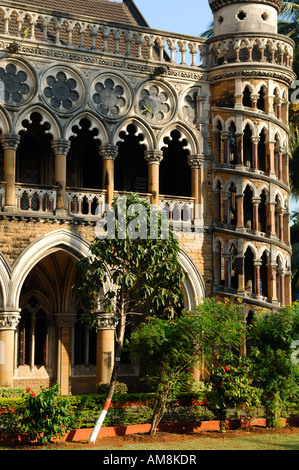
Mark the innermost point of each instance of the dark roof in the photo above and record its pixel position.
(124, 12)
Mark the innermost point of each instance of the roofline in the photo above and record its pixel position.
(135, 12)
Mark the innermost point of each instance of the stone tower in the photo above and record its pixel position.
(250, 70)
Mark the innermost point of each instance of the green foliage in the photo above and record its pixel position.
(44, 415)
(142, 274)
(231, 386)
(270, 338)
(8, 392)
(120, 388)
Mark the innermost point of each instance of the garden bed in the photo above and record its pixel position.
(82, 435)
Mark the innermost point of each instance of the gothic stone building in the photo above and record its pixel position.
(93, 103)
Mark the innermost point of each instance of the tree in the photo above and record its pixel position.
(133, 266)
(169, 348)
(271, 338)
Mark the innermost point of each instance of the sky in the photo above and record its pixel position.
(181, 16)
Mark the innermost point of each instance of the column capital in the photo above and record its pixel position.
(105, 321)
(10, 141)
(9, 320)
(255, 140)
(108, 152)
(195, 161)
(153, 156)
(60, 146)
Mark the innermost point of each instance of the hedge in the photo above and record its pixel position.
(126, 409)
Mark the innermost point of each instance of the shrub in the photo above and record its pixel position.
(44, 415)
(231, 387)
(120, 388)
(9, 392)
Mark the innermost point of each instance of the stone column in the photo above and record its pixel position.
(153, 159)
(64, 323)
(271, 152)
(272, 286)
(241, 274)
(281, 275)
(240, 211)
(106, 325)
(9, 321)
(108, 153)
(196, 166)
(256, 201)
(224, 138)
(60, 149)
(10, 144)
(280, 151)
(255, 142)
(257, 267)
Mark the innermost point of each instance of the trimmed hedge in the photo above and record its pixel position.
(126, 409)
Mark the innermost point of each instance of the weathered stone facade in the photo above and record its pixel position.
(92, 107)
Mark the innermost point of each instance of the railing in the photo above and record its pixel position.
(85, 202)
(179, 209)
(274, 49)
(41, 199)
(42, 27)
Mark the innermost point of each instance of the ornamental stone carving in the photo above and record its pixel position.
(9, 320)
(111, 96)
(106, 321)
(63, 89)
(156, 103)
(16, 83)
(190, 107)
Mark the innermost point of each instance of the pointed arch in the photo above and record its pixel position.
(192, 142)
(47, 117)
(96, 123)
(142, 127)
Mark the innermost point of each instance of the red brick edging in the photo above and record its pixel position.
(79, 435)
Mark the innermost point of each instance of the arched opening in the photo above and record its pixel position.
(263, 212)
(84, 165)
(130, 171)
(262, 152)
(248, 208)
(232, 205)
(217, 142)
(175, 174)
(232, 154)
(261, 99)
(233, 273)
(35, 164)
(47, 335)
(84, 343)
(247, 147)
(246, 101)
(219, 268)
(249, 271)
(264, 275)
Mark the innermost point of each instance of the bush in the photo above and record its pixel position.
(231, 387)
(9, 392)
(120, 388)
(44, 415)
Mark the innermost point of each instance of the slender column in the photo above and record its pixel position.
(106, 325)
(272, 287)
(271, 220)
(10, 144)
(240, 211)
(280, 218)
(64, 323)
(256, 201)
(271, 152)
(153, 159)
(255, 141)
(60, 149)
(225, 207)
(241, 273)
(9, 321)
(279, 163)
(196, 166)
(281, 274)
(257, 267)
(224, 137)
(108, 154)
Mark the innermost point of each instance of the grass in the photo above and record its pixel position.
(265, 442)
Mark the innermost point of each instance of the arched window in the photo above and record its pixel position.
(130, 172)
(264, 275)
(84, 343)
(263, 212)
(248, 208)
(232, 154)
(175, 174)
(232, 206)
(262, 165)
(261, 99)
(247, 147)
(247, 97)
(32, 334)
(233, 281)
(249, 271)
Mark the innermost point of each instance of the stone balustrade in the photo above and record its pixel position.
(80, 202)
(35, 199)
(178, 208)
(42, 27)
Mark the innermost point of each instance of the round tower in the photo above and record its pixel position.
(250, 68)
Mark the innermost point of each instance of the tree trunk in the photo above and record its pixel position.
(113, 381)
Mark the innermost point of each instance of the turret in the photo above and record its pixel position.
(233, 16)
